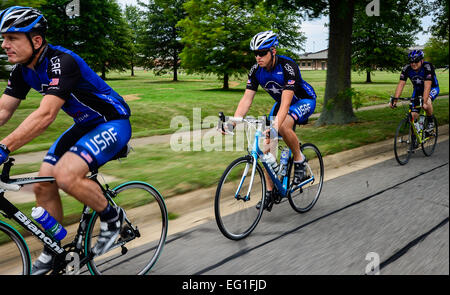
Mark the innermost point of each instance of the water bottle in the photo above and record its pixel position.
(271, 161)
(416, 123)
(284, 161)
(421, 121)
(49, 223)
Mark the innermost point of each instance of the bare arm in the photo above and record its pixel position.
(8, 105)
(36, 123)
(426, 91)
(286, 99)
(398, 91)
(245, 103)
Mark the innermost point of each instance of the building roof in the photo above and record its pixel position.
(322, 54)
(417, 47)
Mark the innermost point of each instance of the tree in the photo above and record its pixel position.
(338, 92)
(379, 42)
(161, 41)
(338, 99)
(133, 16)
(437, 47)
(440, 28)
(436, 52)
(100, 35)
(216, 35)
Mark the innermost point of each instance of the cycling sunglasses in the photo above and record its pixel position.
(261, 53)
(415, 60)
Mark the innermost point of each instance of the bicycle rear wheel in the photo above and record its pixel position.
(15, 258)
(403, 143)
(430, 138)
(235, 208)
(304, 198)
(143, 233)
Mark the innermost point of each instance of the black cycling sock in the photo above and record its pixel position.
(109, 214)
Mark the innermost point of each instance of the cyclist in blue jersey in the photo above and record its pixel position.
(295, 99)
(101, 130)
(425, 83)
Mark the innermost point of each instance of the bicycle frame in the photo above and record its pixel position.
(417, 133)
(282, 186)
(8, 210)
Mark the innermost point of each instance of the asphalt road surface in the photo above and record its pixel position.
(387, 213)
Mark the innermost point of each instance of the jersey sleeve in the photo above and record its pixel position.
(252, 82)
(429, 73)
(404, 73)
(17, 87)
(64, 74)
(291, 75)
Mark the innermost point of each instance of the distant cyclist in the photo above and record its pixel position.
(295, 100)
(102, 128)
(423, 77)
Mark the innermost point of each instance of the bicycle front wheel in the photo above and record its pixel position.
(142, 236)
(403, 143)
(237, 197)
(430, 138)
(15, 258)
(305, 197)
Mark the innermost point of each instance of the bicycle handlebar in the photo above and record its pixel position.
(5, 177)
(250, 120)
(410, 99)
(9, 186)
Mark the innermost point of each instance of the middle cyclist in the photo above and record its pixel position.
(280, 77)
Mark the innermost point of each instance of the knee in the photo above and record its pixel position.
(43, 189)
(286, 129)
(63, 178)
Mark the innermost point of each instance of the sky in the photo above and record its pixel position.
(317, 33)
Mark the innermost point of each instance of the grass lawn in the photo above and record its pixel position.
(175, 172)
(155, 100)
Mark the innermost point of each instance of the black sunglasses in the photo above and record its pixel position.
(260, 53)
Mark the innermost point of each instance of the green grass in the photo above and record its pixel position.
(173, 172)
(162, 99)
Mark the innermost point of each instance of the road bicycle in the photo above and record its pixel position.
(410, 134)
(243, 185)
(136, 251)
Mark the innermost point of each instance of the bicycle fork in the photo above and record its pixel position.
(252, 178)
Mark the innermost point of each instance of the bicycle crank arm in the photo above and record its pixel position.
(302, 184)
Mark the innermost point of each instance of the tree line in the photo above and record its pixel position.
(212, 36)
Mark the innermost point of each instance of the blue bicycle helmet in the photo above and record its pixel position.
(18, 19)
(264, 40)
(415, 56)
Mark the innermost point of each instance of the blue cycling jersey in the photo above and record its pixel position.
(60, 72)
(284, 76)
(425, 73)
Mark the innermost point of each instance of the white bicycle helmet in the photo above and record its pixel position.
(264, 40)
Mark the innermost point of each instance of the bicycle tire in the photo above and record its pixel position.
(430, 142)
(12, 263)
(231, 211)
(152, 222)
(403, 143)
(302, 200)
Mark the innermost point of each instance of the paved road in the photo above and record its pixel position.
(399, 212)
